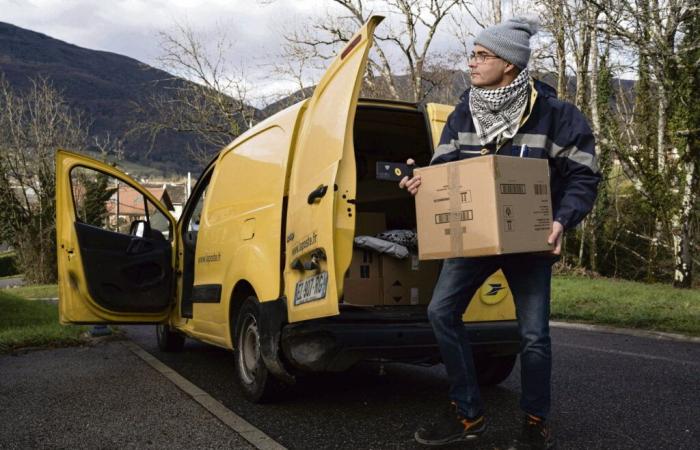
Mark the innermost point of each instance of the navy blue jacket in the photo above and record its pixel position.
(555, 130)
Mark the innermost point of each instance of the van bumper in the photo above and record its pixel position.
(332, 346)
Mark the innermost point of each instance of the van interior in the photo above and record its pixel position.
(387, 133)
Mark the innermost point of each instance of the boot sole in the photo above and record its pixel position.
(449, 440)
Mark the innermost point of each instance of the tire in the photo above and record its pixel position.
(493, 370)
(256, 381)
(168, 339)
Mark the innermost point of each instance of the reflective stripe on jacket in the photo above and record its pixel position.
(552, 129)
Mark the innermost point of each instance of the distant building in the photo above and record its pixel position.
(127, 205)
(178, 197)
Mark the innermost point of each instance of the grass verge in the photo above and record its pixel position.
(606, 301)
(35, 291)
(25, 323)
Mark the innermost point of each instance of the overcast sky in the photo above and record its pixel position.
(130, 27)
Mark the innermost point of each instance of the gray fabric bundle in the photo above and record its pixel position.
(381, 246)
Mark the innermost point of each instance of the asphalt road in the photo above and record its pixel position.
(610, 392)
(100, 396)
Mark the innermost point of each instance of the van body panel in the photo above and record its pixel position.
(77, 301)
(242, 220)
(320, 214)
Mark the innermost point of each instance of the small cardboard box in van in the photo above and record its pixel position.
(408, 281)
(363, 282)
(482, 206)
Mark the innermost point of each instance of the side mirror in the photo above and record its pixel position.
(139, 228)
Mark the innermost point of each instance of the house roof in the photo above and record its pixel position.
(131, 201)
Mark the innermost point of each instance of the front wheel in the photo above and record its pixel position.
(256, 381)
(492, 370)
(168, 339)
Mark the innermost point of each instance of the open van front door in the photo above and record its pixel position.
(115, 245)
(321, 209)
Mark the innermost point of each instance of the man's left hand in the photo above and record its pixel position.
(555, 237)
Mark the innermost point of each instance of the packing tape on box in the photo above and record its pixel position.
(453, 184)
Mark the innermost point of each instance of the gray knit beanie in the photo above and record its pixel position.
(510, 40)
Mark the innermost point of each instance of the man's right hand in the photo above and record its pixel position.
(410, 184)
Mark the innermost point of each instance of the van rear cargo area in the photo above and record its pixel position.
(383, 133)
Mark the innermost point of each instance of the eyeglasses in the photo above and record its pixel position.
(479, 58)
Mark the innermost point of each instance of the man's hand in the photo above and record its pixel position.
(410, 184)
(555, 237)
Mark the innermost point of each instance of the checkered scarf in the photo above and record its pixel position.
(497, 112)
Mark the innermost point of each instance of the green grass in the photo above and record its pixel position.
(25, 323)
(35, 291)
(629, 304)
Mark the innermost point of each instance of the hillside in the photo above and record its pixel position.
(105, 85)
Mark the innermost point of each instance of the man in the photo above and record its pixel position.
(508, 113)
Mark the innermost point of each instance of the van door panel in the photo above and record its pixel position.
(320, 215)
(107, 276)
(125, 273)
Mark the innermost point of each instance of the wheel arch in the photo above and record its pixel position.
(240, 293)
(273, 315)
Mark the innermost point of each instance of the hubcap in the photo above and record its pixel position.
(249, 350)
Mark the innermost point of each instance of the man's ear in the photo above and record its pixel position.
(511, 69)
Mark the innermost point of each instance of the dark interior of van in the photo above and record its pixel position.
(387, 134)
(375, 278)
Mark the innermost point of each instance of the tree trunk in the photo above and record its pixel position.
(582, 55)
(595, 118)
(560, 38)
(582, 243)
(682, 236)
(496, 7)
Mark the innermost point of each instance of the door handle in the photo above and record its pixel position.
(317, 194)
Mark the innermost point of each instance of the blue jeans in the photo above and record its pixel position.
(529, 278)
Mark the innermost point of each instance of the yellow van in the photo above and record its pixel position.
(264, 258)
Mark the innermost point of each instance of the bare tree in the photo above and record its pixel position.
(33, 124)
(411, 40)
(553, 21)
(211, 103)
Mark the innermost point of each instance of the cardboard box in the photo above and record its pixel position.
(408, 281)
(370, 223)
(363, 281)
(375, 279)
(488, 205)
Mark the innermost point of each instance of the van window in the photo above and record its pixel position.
(106, 202)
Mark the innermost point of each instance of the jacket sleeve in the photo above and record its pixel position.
(448, 149)
(577, 167)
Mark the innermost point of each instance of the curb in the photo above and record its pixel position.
(627, 331)
(232, 420)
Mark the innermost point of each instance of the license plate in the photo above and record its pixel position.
(310, 289)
